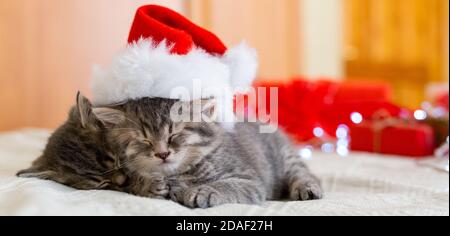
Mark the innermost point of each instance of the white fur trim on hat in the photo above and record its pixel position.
(147, 69)
(243, 63)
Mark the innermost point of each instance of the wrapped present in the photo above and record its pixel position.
(304, 104)
(391, 135)
(362, 91)
(339, 113)
(442, 101)
(438, 120)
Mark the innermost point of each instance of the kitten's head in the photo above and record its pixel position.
(139, 136)
(76, 154)
(150, 140)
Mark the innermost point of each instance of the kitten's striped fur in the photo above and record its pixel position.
(204, 165)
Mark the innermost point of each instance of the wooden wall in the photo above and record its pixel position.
(47, 49)
(273, 27)
(404, 42)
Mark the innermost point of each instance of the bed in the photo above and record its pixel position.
(360, 184)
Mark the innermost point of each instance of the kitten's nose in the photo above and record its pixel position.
(162, 155)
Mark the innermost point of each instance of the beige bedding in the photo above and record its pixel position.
(361, 184)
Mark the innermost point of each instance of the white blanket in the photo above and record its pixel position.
(360, 184)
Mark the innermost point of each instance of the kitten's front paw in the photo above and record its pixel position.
(306, 191)
(202, 197)
(158, 187)
(176, 194)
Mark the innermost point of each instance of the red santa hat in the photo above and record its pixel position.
(167, 51)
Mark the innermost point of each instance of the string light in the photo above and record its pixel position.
(342, 143)
(404, 113)
(306, 153)
(420, 115)
(318, 132)
(439, 112)
(426, 105)
(356, 117)
(327, 148)
(342, 151)
(342, 132)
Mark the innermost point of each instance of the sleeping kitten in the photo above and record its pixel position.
(137, 148)
(201, 164)
(76, 154)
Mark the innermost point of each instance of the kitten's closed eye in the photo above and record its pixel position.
(147, 142)
(174, 137)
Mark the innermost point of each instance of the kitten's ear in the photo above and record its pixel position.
(209, 107)
(89, 115)
(204, 107)
(37, 172)
(84, 108)
(109, 116)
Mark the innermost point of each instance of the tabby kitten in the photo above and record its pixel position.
(76, 154)
(201, 164)
(137, 148)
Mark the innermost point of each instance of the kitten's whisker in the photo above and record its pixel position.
(114, 129)
(108, 172)
(118, 166)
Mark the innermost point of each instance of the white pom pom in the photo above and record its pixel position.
(243, 63)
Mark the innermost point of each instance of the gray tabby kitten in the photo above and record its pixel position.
(76, 154)
(137, 148)
(200, 164)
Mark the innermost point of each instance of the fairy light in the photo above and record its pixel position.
(327, 147)
(318, 132)
(342, 143)
(342, 135)
(426, 105)
(420, 115)
(342, 132)
(356, 117)
(342, 151)
(438, 112)
(404, 114)
(306, 153)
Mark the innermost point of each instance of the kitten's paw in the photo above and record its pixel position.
(176, 194)
(202, 197)
(306, 191)
(158, 187)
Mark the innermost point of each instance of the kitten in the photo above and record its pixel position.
(76, 154)
(136, 148)
(201, 164)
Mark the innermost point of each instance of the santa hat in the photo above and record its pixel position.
(167, 51)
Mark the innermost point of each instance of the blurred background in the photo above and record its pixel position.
(48, 47)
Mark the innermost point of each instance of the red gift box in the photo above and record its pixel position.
(443, 100)
(393, 136)
(304, 104)
(338, 113)
(363, 91)
(299, 105)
